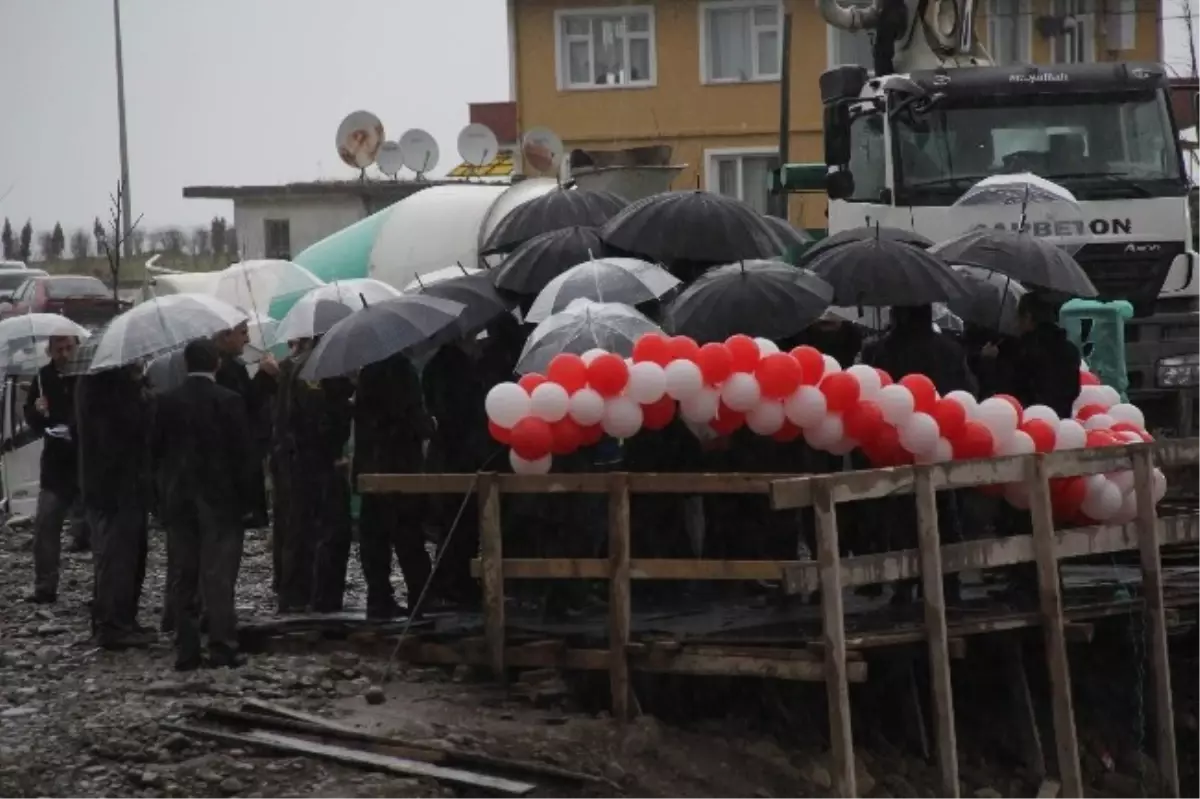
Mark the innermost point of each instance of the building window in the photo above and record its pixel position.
(277, 239)
(1077, 43)
(851, 47)
(740, 40)
(745, 175)
(1009, 28)
(605, 48)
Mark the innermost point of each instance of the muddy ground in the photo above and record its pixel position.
(77, 721)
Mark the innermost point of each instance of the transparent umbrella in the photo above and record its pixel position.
(625, 280)
(1031, 203)
(254, 286)
(20, 337)
(880, 318)
(161, 325)
(354, 294)
(584, 325)
(438, 275)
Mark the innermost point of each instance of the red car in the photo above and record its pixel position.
(80, 298)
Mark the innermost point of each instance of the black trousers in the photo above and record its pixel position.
(331, 552)
(205, 547)
(387, 523)
(119, 546)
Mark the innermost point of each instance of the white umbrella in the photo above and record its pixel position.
(20, 336)
(629, 281)
(1031, 201)
(583, 326)
(161, 325)
(254, 285)
(438, 275)
(354, 294)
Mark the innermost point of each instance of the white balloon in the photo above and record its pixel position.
(766, 346)
(1160, 485)
(1042, 413)
(1101, 421)
(919, 434)
(1017, 495)
(831, 365)
(1018, 443)
(843, 447)
(1129, 508)
(766, 418)
(586, 406)
(522, 466)
(1103, 499)
(941, 452)
(549, 401)
(622, 417)
(683, 379)
(1128, 412)
(1069, 435)
(1109, 396)
(827, 433)
(868, 380)
(647, 382)
(896, 402)
(1123, 480)
(1091, 395)
(999, 417)
(1128, 436)
(506, 404)
(805, 407)
(741, 392)
(701, 407)
(591, 355)
(967, 400)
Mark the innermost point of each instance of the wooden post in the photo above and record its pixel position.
(619, 603)
(1156, 620)
(491, 556)
(942, 691)
(837, 688)
(1050, 597)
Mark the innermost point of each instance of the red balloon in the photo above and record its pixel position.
(568, 436)
(568, 370)
(950, 416)
(658, 415)
(973, 441)
(608, 374)
(812, 362)
(884, 448)
(1088, 411)
(863, 421)
(1041, 432)
(652, 347)
(1016, 403)
(1102, 438)
(1066, 496)
(923, 391)
(841, 392)
(728, 421)
(683, 348)
(530, 381)
(715, 362)
(1127, 427)
(532, 438)
(778, 375)
(789, 432)
(1088, 379)
(884, 378)
(745, 353)
(501, 434)
(592, 434)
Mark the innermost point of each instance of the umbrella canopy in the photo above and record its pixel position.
(535, 263)
(254, 286)
(881, 318)
(79, 362)
(21, 335)
(482, 303)
(757, 298)
(792, 238)
(880, 271)
(1024, 188)
(583, 326)
(625, 280)
(378, 332)
(991, 300)
(1028, 259)
(554, 210)
(161, 325)
(300, 321)
(1028, 202)
(438, 275)
(692, 226)
(856, 234)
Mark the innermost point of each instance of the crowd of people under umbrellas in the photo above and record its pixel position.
(192, 453)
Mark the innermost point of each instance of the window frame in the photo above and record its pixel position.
(1085, 25)
(831, 40)
(715, 154)
(708, 6)
(1024, 30)
(268, 250)
(562, 68)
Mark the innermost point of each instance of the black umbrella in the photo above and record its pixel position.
(757, 298)
(692, 226)
(535, 263)
(554, 210)
(790, 237)
(883, 272)
(482, 302)
(863, 233)
(991, 301)
(328, 313)
(379, 331)
(1032, 261)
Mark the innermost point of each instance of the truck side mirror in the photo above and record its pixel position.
(837, 134)
(840, 184)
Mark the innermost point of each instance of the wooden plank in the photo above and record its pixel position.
(583, 483)
(1037, 483)
(834, 639)
(941, 689)
(620, 618)
(1024, 711)
(1156, 621)
(643, 569)
(491, 550)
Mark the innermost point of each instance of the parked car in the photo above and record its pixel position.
(11, 278)
(13, 265)
(80, 298)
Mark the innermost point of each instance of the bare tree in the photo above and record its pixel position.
(216, 234)
(112, 241)
(139, 241)
(45, 241)
(172, 240)
(200, 240)
(80, 244)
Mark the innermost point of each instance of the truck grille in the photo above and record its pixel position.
(1118, 276)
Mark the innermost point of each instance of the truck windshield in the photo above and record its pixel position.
(1098, 146)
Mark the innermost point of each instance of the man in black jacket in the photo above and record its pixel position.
(1042, 366)
(201, 445)
(50, 412)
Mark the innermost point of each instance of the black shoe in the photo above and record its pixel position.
(118, 641)
(80, 545)
(189, 663)
(42, 598)
(220, 656)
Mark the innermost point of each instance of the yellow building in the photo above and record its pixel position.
(703, 75)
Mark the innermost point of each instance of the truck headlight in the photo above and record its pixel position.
(1179, 371)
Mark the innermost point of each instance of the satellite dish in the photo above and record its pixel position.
(390, 159)
(542, 150)
(477, 144)
(419, 149)
(358, 139)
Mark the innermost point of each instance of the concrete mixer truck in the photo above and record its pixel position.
(905, 140)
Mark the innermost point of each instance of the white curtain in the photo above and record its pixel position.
(755, 172)
(729, 44)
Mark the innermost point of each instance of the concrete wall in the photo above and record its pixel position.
(310, 218)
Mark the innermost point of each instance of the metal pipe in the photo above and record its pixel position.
(780, 203)
(126, 201)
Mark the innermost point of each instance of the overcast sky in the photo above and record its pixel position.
(240, 91)
(224, 92)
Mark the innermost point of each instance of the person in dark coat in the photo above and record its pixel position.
(280, 456)
(114, 471)
(50, 412)
(201, 446)
(1042, 365)
(256, 393)
(391, 426)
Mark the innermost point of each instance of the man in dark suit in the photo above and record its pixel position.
(202, 445)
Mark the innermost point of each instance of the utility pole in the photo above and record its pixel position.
(126, 201)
